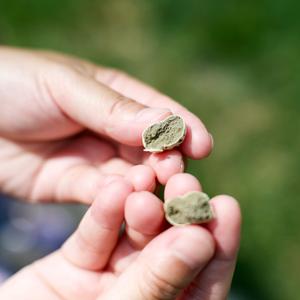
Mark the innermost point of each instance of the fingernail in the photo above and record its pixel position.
(152, 114)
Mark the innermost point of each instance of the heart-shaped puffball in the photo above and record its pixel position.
(164, 135)
(191, 208)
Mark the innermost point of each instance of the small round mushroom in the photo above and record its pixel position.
(191, 208)
(164, 135)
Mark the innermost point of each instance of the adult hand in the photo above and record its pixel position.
(67, 125)
(186, 263)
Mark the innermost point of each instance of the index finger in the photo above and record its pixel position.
(198, 142)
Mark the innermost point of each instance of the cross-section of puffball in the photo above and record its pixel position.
(191, 208)
(164, 135)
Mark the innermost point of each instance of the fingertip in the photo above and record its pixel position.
(226, 225)
(115, 165)
(227, 208)
(198, 143)
(166, 164)
(108, 207)
(118, 187)
(179, 184)
(142, 178)
(144, 212)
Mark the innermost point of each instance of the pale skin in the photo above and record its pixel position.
(71, 131)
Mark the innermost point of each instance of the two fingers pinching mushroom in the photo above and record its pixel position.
(209, 263)
(198, 142)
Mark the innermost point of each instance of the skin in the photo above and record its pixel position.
(71, 131)
(64, 121)
(95, 264)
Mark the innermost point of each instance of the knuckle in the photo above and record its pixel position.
(122, 104)
(110, 76)
(197, 291)
(62, 75)
(155, 287)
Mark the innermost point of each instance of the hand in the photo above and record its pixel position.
(67, 125)
(186, 263)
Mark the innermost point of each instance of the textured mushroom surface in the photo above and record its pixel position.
(164, 135)
(191, 208)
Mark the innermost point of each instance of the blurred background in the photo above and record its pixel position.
(233, 63)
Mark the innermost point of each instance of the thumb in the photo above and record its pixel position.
(167, 265)
(103, 110)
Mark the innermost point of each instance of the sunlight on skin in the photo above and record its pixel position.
(80, 140)
(99, 265)
(198, 142)
(78, 121)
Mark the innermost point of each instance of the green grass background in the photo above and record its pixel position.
(236, 65)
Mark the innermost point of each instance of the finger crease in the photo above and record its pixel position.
(46, 282)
